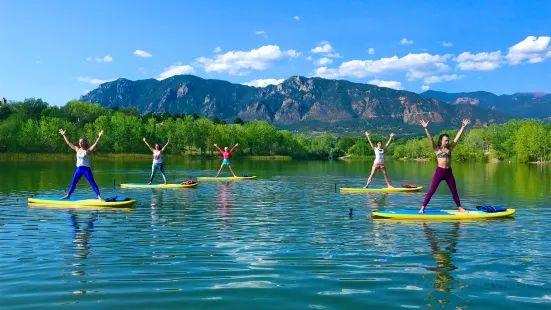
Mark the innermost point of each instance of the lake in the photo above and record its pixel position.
(283, 241)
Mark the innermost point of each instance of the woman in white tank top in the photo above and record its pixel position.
(157, 160)
(379, 163)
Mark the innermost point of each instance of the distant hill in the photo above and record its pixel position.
(524, 105)
(299, 103)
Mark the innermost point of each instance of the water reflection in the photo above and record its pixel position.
(225, 202)
(377, 201)
(443, 246)
(157, 199)
(82, 235)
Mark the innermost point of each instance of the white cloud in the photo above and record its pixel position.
(389, 84)
(175, 70)
(371, 51)
(324, 61)
(296, 17)
(217, 49)
(327, 73)
(106, 58)
(323, 47)
(532, 49)
(264, 82)
(425, 87)
(405, 41)
(89, 80)
(234, 62)
(447, 44)
(309, 58)
(479, 62)
(261, 33)
(143, 54)
(441, 78)
(85, 91)
(416, 65)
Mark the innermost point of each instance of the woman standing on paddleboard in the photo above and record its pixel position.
(157, 160)
(379, 163)
(443, 150)
(83, 163)
(226, 154)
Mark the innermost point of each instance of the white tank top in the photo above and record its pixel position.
(82, 158)
(157, 157)
(379, 157)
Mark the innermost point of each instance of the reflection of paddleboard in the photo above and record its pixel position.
(82, 202)
(225, 178)
(145, 185)
(380, 190)
(438, 214)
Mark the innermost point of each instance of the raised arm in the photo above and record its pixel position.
(426, 126)
(164, 147)
(388, 143)
(72, 146)
(93, 147)
(368, 139)
(464, 124)
(219, 148)
(233, 148)
(149, 146)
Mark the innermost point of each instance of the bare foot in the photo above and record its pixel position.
(100, 198)
(66, 197)
(422, 209)
(367, 185)
(165, 183)
(149, 183)
(462, 210)
(390, 186)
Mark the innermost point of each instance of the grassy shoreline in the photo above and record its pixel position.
(56, 156)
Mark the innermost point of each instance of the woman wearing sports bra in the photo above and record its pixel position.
(83, 163)
(443, 150)
(157, 160)
(379, 162)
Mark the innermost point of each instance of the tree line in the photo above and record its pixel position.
(31, 126)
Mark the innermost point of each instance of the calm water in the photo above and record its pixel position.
(283, 241)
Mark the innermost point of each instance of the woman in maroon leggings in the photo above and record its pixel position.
(443, 150)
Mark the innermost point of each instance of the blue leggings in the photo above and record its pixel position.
(154, 168)
(87, 172)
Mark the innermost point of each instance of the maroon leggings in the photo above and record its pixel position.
(440, 175)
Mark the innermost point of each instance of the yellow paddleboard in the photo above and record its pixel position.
(438, 214)
(94, 202)
(379, 190)
(225, 178)
(145, 185)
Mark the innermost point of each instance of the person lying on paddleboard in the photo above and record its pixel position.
(83, 163)
(226, 154)
(443, 150)
(157, 160)
(379, 163)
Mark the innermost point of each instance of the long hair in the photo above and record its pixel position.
(440, 139)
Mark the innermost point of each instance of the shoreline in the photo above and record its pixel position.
(130, 156)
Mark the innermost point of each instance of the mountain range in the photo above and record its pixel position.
(299, 103)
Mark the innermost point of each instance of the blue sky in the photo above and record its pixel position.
(58, 50)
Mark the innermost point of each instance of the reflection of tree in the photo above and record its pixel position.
(377, 201)
(442, 249)
(81, 237)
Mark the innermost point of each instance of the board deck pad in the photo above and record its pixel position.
(379, 190)
(225, 178)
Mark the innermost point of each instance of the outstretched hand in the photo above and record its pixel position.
(62, 132)
(100, 133)
(466, 122)
(144, 140)
(215, 144)
(168, 139)
(367, 133)
(424, 124)
(392, 135)
(236, 144)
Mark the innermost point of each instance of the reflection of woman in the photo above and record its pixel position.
(82, 235)
(378, 201)
(442, 250)
(224, 204)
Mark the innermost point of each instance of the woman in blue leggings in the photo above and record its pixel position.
(157, 160)
(83, 163)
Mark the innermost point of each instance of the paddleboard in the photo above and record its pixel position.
(225, 178)
(379, 190)
(145, 185)
(438, 214)
(81, 202)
